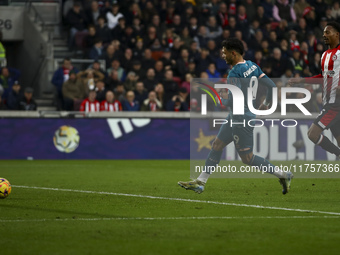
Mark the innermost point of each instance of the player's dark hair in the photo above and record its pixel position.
(233, 44)
(334, 25)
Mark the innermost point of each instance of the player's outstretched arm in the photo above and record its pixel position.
(266, 81)
(309, 80)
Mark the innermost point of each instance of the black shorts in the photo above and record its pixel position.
(329, 118)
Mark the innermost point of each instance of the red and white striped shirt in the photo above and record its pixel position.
(330, 65)
(116, 106)
(87, 106)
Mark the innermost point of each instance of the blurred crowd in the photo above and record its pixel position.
(152, 49)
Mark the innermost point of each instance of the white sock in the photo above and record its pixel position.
(279, 173)
(203, 177)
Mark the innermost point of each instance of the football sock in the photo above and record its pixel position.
(213, 159)
(327, 145)
(265, 165)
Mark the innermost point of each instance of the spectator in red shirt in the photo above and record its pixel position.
(110, 104)
(90, 104)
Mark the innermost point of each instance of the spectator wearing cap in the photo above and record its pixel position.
(138, 70)
(8, 76)
(167, 60)
(73, 92)
(102, 30)
(14, 96)
(318, 31)
(110, 104)
(130, 104)
(151, 104)
(297, 62)
(90, 104)
(113, 16)
(310, 17)
(27, 103)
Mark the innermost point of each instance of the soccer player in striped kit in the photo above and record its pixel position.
(329, 118)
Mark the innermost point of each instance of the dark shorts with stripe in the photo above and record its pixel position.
(242, 136)
(329, 118)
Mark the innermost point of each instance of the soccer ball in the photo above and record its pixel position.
(66, 139)
(5, 188)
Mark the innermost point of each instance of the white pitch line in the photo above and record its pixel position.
(180, 199)
(172, 218)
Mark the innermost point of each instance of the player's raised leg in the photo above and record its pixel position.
(316, 136)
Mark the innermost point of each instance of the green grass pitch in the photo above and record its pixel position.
(65, 220)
